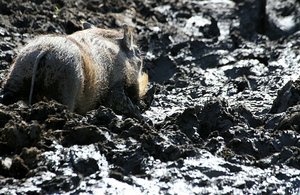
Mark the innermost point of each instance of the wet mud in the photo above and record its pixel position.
(221, 115)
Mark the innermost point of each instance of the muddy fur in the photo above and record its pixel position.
(83, 70)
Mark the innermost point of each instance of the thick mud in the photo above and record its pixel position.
(221, 114)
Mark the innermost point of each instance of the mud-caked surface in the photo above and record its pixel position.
(221, 115)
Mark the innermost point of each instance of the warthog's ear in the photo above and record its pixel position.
(127, 41)
(86, 25)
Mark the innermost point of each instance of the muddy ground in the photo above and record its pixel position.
(223, 115)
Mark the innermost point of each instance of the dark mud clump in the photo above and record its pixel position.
(221, 115)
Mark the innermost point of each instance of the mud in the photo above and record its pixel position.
(221, 115)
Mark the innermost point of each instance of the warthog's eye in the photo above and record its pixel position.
(136, 52)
